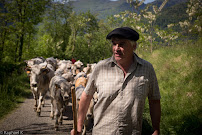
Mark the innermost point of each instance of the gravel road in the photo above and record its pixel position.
(24, 120)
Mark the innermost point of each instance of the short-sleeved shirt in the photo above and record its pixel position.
(121, 100)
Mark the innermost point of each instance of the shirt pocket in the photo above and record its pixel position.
(142, 87)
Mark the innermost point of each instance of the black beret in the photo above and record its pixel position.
(124, 32)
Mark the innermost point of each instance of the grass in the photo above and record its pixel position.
(13, 90)
(179, 71)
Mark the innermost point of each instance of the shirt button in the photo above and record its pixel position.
(121, 93)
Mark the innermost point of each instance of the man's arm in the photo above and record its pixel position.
(155, 113)
(83, 108)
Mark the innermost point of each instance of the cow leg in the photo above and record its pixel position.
(51, 114)
(39, 105)
(84, 130)
(35, 104)
(61, 116)
(57, 114)
(43, 103)
(35, 99)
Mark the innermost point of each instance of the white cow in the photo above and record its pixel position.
(31, 62)
(60, 90)
(89, 69)
(40, 77)
(76, 67)
(34, 61)
(52, 61)
(68, 76)
(64, 66)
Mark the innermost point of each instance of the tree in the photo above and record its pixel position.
(81, 24)
(194, 23)
(22, 16)
(55, 28)
(3, 28)
(143, 21)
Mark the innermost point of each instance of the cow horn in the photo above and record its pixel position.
(45, 66)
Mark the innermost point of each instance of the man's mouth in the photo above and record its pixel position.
(117, 54)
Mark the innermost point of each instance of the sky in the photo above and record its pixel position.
(146, 1)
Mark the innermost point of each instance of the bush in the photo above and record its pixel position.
(12, 86)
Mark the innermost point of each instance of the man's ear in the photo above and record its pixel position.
(134, 46)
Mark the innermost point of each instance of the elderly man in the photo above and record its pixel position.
(123, 83)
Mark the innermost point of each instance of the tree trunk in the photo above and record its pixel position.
(151, 45)
(16, 48)
(3, 37)
(20, 47)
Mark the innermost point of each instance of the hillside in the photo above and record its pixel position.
(173, 14)
(104, 8)
(174, 10)
(101, 8)
(170, 3)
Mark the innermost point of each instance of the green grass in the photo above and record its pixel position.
(179, 73)
(14, 88)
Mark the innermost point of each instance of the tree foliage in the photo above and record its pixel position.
(62, 33)
(18, 20)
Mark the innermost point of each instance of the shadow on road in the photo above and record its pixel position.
(44, 128)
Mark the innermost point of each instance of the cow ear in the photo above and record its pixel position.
(45, 70)
(28, 68)
(57, 86)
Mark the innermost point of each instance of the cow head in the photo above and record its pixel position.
(73, 69)
(37, 74)
(63, 90)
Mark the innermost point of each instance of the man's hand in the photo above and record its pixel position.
(156, 132)
(73, 132)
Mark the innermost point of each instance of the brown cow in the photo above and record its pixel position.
(80, 85)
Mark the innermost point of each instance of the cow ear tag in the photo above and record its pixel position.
(28, 72)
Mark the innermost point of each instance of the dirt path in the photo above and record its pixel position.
(25, 121)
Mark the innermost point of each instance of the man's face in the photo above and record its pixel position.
(122, 49)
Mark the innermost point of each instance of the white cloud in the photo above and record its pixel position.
(148, 1)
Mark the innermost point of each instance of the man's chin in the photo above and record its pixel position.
(118, 58)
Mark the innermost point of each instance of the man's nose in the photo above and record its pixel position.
(117, 47)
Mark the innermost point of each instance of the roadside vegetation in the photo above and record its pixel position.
(179, 71)
(14, 87)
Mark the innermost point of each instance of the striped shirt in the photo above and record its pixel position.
(121, 100)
